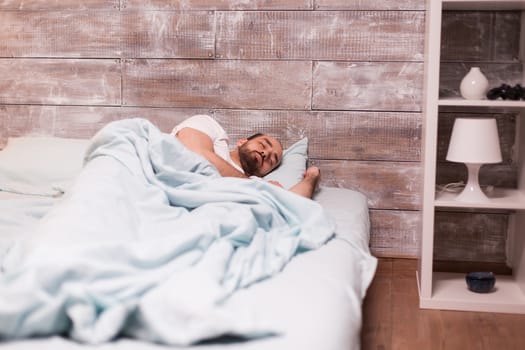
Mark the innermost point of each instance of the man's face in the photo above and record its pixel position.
(260, 155)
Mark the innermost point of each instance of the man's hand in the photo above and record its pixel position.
(313, 175)
(306, 187)
(313, 172)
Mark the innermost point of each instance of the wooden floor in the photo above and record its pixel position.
(393, 320)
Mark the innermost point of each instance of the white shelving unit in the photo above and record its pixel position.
(440, 290)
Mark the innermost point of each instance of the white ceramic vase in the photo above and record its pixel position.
(474, 85)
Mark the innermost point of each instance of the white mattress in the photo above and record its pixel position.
(316, 300)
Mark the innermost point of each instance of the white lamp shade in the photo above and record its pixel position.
(475, 141)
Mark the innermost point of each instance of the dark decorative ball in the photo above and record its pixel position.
(481, 282)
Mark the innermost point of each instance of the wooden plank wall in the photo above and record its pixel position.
(346, 73)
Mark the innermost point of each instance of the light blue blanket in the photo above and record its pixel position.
(149, 243)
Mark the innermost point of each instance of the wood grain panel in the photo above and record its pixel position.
(499, 268)
(334, 135)
(480, 36)
(81, 121)
(368, 86)
(4, 132)
(53, 5)
(209, 83)
(60, 81)
(395, 233)
(60, 121)
(218, 4)
(154, 34)
(104, 34)
(20, 121)
(470, 236)
(388, 185)
(84, 122)
(497, 73)
(369, 5)
(60, 34)
(376, 331)
(343, 35)
(164, 118)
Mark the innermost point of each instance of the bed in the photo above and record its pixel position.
(292, 275)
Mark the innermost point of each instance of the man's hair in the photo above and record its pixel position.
(255, 136)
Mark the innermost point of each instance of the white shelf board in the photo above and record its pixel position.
(483, 4)
(500, 198)
(450, 292)
(460, 102)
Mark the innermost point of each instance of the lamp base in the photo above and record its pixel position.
(472, 193)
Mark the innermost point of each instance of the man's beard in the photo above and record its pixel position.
(249, 163)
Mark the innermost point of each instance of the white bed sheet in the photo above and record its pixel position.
(18, 213)
(316, 300)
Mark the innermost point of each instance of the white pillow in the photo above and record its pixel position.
(293, 165)
(349, 208)
(40, 165)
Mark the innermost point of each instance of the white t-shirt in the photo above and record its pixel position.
(206, 124)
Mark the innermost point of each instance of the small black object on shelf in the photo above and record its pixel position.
(481, 282)
(507, 92)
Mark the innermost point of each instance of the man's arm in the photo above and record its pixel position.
(200, 143)
(306, 187)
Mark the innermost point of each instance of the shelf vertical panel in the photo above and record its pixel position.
(516, 247)
(522, 45)
(430, 109)
(517, 234)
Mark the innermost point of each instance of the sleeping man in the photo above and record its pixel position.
(256, 155)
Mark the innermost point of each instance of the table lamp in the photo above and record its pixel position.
(474, 141)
